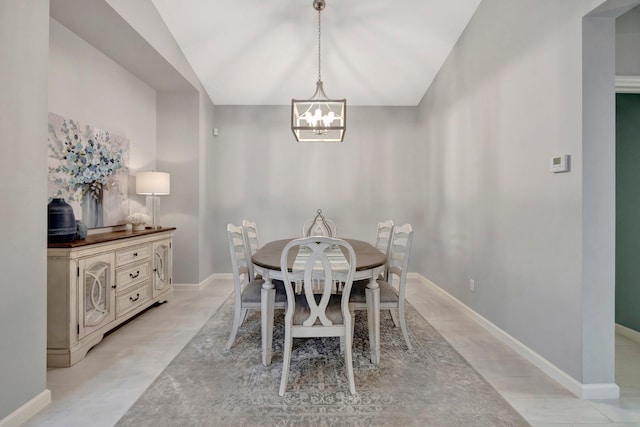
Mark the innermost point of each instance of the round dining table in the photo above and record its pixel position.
(370, 263)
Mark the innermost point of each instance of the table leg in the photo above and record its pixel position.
(267, 301)
(373, 317)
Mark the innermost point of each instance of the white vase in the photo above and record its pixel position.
(92, 210)
(139, 227)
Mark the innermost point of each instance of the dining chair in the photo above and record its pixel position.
(247, 290)
(319, 226)
(383, 239)
(316, 311)
(250, 230)
(392, 288)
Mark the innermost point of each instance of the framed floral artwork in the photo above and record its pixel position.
(89, 168)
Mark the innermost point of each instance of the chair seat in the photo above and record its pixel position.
(387, 292)
(253, 291)
(302, 311)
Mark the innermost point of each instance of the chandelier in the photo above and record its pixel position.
(319, 118)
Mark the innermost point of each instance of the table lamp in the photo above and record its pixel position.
(153, 184)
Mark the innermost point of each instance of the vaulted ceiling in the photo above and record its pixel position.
(374, 52)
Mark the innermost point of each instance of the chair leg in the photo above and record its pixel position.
(373, 317)
(243, 316)
(403, 325)
(348, 359)
(286, 361)
(236, 324)
(394, 317)
(352, 312)
(267, 299)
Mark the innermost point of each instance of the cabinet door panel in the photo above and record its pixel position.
(161, 267)
(96, 292)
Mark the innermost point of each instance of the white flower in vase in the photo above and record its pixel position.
(138, 220)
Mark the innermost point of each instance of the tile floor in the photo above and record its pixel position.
(99, 390)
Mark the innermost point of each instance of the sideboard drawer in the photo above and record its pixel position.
(133, 298)
(132, 274)
(128, 255)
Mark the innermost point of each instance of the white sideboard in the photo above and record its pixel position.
(95, 284)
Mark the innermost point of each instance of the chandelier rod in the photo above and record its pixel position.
(319, 42)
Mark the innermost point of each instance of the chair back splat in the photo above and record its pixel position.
(250, 230)
(383, 238)
(319, 226)
(317, 311)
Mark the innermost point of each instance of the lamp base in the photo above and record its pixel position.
(153, 209)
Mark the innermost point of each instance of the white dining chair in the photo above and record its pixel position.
(247, 290)
(250, 230)
(319, 226)
(319, 314)
(392, 288)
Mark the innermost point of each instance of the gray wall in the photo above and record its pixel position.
(627, 42)
(509, 98)
(206, 205)
(178, 153)
(185, 141)
(24, 38)
(260, 173)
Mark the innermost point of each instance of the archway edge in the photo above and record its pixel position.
(598, 199)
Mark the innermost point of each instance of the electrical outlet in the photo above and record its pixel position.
(472, 285)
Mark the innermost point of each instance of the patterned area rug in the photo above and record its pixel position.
(432, 385)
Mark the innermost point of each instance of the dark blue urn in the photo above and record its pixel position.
(61, 221)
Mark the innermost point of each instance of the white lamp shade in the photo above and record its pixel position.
(155, 183)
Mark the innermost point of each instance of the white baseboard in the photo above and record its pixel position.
(584, 391)
(27, 410)
(598, 391)
(205, 282)
(628, 332)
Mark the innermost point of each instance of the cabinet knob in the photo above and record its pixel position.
(113, 286)
(135, 254)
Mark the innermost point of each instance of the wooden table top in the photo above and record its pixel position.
(110, 236)
(268, 256)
